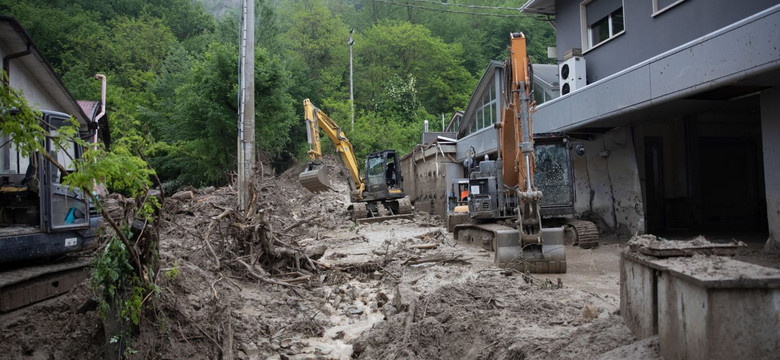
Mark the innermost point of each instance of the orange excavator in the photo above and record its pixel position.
(503, 202)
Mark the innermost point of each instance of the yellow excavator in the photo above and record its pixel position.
(378, 196)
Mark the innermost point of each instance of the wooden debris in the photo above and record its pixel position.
(183, 195)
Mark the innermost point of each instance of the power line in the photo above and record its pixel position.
(470, 6)
(454, 11)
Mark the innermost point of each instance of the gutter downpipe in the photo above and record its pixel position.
(100, 115)
(7, 62)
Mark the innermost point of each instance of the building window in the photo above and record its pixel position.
(601, 21)
(659, 6)
(487, 112)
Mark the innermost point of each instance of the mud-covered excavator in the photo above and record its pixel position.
(376, 197)
(504, 202)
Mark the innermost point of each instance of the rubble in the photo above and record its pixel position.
(295, 278)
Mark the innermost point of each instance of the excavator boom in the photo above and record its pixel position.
(379, 196)
(315, 177)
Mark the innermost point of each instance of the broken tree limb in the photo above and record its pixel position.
(298, 223)
(436, 259)
(263, 278)
(409, 321)
(183, 195)
(428, 246)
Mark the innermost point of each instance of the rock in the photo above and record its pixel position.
(315, 252)
(251, 350)
(355, 311)
(590, 312)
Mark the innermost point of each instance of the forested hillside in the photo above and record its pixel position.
(172, 69)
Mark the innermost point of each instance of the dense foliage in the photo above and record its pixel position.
(172, 69)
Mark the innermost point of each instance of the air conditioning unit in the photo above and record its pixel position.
(572, 74)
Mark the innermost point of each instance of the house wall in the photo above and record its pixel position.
(607, 182)
(21, 79)
(770, 131)
(646, 35)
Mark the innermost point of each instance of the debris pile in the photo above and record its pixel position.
(295, 278)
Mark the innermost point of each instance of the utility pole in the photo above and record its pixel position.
(246, 104)
(351, 93)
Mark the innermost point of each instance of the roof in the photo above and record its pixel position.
(546, 73)
(15, 39)
(543, 7)
(89, 107)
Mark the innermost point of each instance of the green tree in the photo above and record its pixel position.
(395, 48)
(200, 133)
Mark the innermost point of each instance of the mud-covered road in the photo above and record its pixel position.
(398, 289)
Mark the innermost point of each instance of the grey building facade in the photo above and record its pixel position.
(679, 113)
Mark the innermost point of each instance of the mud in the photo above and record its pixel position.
(397, 289)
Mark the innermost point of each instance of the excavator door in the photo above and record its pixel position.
(383, 176)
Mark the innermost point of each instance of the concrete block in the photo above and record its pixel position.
(718, 308)
(638, 299)
(702, 307)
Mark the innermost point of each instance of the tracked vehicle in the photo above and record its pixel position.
(376, 197)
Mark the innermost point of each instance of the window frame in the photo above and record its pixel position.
(487, 113)
(586, 30)
(657, 11)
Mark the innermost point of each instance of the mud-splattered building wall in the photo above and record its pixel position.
(428, 173)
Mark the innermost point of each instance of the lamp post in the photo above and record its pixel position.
(351, 94)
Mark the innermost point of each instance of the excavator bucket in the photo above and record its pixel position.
(549, 257)
(315, 179)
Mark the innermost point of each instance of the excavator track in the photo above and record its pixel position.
(503, 241)
(363, 215)
(25, 286)
(583, 233)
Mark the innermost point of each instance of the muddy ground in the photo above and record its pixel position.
(398, 289)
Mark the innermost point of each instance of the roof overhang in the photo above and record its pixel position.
(726, 65)
(543, 7)
(15, 40)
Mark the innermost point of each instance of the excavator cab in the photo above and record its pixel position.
(383, 176)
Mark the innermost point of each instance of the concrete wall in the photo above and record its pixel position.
(647, 35)
(638, 299)
(428, 174)
(695, 322)
(607, 181)
(728, 311)
(770, 130)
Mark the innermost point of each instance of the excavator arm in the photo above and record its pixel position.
(315, 177)
(518, 141)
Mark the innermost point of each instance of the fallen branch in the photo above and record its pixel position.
(264, 278)
(227, 346)
(298, 223)
(425, 246)
(409, 321)
(437, 259)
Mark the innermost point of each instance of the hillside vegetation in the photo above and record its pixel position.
(172, 69)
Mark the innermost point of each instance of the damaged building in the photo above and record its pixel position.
(675, 104)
